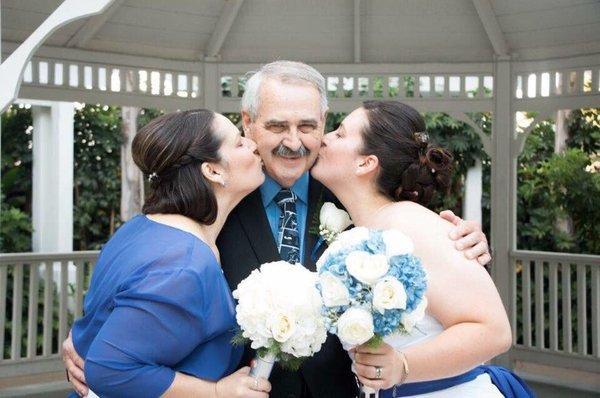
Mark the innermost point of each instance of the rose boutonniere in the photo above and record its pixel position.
(332, 221)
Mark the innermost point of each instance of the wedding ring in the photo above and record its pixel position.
(378, 370)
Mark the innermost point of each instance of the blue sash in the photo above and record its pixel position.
(509, 384)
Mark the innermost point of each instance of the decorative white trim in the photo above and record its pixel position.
(11, 70)
(520, 138)
(485, 139)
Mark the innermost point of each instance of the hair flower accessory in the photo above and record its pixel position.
(152, 177)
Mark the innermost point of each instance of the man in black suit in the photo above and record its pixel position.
(283, 110)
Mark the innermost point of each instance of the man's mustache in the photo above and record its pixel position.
(286, 152)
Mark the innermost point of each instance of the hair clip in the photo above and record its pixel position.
(152, 177)
(421, 137)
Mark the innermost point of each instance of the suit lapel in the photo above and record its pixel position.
(315, 192)
(256, 227)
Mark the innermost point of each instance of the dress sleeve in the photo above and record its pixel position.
(157, 320)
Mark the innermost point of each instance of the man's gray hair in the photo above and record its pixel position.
(286, 72)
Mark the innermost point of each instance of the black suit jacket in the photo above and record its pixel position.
(245, 243)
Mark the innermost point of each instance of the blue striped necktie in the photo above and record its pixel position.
(288, 241)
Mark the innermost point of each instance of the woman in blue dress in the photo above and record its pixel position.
(159, 315)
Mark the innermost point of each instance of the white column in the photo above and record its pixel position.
(503, 187)
(473, 190)
(212, 86)
(52, 202)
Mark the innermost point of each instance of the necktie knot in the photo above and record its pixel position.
(285, 196)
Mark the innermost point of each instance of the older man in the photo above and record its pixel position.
(283, 111)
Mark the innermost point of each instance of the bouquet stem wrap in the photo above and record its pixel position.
(263, 366)
(367, 392)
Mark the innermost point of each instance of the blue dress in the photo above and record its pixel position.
(158, 303)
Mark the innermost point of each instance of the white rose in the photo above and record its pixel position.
(334, 219)
(410, 319)
(365, 267)
(353, 236)
(396, 243)
(355, 327)
(389, 294)
(282, 326)
(333, 290)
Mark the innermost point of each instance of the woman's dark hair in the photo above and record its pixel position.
(169, 150)
(411, 168)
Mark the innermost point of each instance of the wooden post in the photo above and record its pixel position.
(503, 185)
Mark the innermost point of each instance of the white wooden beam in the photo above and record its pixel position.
(224, 24)
(357, 36)
(92, 26)
(11, 70)
(492, 27)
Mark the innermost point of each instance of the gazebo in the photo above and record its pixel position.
(454, 56)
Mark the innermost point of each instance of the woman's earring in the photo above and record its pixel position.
(223, 184)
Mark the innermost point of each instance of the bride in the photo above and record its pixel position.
(379, 164)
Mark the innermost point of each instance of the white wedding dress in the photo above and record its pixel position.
(427, 328)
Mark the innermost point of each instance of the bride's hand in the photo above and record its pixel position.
(241, 385)
(367, 360)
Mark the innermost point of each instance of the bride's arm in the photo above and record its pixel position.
(463, 298)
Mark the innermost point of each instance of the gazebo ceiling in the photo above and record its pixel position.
(391, 31)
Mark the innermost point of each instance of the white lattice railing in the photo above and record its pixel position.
(387, 86)
(428, 87)
(111, 78)
(40, 295)
(556, 303)
(78, 75)
(557, 83)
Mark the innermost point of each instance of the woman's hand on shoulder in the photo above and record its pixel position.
(468, 237)
(241, 385)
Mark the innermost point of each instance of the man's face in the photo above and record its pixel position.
(288, 129)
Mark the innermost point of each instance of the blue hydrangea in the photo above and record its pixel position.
(405, 268)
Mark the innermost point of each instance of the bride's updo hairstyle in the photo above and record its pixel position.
(411, 168)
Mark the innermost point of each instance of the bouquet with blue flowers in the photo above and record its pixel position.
(372, 286)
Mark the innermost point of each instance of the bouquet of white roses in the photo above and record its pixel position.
(372, 286)
(279, 312)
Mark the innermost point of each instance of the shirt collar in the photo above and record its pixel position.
(270, 188)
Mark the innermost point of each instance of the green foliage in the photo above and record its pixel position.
(16, 157)
(286, 361)
(15, 229)
(146, 115)
(553, 187)
(333, 121)
(574, 192)
(97, 177)
(584, 126)
(375, 341)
